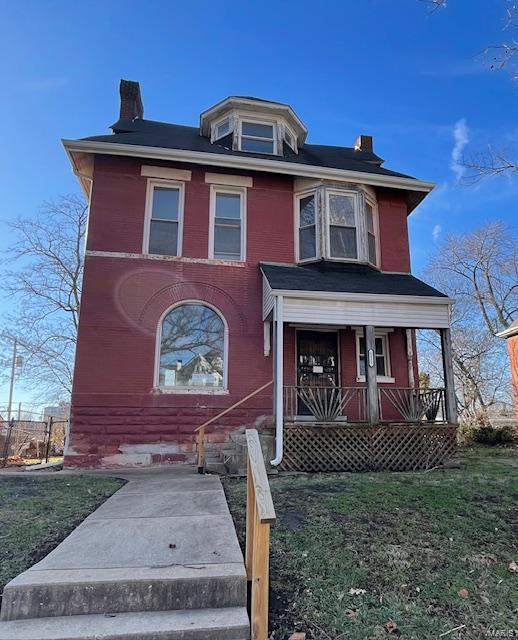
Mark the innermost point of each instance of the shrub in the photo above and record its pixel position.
(491, 436)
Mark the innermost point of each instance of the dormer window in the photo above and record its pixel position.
(258, 137)
(289, 139)
(336, 224)
(254, 126)
(222, 129)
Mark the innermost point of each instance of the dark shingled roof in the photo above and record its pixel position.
(173, 136)
(344, 278)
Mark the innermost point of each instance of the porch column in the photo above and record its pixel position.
(370, 375)
(449, 384)
(278, 380)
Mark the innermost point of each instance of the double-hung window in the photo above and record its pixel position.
(258, 137)
(370, 224)
(307, 226)
(165, 213)
(382, 355)
(342, 224)
(227, 223)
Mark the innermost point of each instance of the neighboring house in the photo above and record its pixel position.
(511, 335)
(221, 256)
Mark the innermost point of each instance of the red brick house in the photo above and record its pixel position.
(511, 336)
(224, 256)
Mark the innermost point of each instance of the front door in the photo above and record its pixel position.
(317, 362)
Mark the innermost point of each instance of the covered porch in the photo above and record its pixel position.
(346, 380)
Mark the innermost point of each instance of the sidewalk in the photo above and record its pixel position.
(164, 542)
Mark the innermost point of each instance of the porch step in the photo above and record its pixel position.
(207, 624)
(42, 594)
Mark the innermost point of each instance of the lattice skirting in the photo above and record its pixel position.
(362, 448)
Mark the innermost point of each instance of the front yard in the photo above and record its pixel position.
(409, 555)
(36, 513)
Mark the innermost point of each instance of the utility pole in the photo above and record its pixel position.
(11, 386)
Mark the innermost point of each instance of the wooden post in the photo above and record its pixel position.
(410, 357)
(449, 382)
(250, 520)
(47, 450)
(370, 375)
(201, 450)
(260, 514)
(260, 580)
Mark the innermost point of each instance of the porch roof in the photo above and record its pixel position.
(344, 278)
(352, 294)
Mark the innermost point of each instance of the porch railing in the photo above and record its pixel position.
(326, 404)
(260, 514)
(200, 431)
(412, 404)
(396, 404)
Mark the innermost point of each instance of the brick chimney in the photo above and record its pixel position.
(131, 102)
(363, 143)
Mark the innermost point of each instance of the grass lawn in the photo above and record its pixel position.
(37, 513)
(429, 551)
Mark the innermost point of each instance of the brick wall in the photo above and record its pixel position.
(117, 414)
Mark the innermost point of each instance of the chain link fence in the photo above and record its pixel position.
(31, 441)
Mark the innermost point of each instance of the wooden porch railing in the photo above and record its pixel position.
(260, 515)
(326, 403)
(414, 404)
(200, 431)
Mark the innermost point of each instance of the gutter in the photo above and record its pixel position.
(239, 162)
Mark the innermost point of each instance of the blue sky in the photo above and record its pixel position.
(414, 80)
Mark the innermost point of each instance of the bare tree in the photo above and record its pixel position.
(42, 273)
(479, 271)
(501, 56)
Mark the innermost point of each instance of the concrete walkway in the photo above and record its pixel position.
(159, 559)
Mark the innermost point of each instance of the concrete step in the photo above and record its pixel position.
(73, 592)
(200, 624)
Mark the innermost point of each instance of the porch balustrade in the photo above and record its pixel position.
(326, 404)
(396, 404)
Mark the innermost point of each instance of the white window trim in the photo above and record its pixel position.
(357, 220)
(296, 208)
(274, 139)
(191, 390)
(218, 123)
(151, 184)
(375, 218)
(289, 130)
(384, 335)
(214, 189)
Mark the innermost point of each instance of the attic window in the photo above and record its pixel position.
(222, 129)
(258, 137)
(289, 139)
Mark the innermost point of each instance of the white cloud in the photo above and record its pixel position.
(461, 138)
(436, 232)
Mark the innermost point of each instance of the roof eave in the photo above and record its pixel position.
(73, 147)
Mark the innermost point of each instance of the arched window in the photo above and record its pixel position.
(192, 347)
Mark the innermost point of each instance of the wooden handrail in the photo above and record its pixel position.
(201, 429)
(260, 515)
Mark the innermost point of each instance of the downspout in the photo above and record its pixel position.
(278, 389)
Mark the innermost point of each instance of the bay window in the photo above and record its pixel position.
(342, 225)
(336, 224)
(307, 222)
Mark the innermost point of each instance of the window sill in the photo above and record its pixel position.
(386, 379)
(192, 391)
